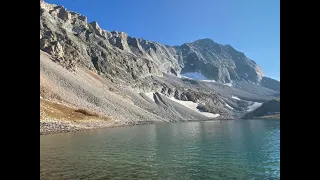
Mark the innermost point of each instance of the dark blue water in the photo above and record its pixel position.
(239, 149)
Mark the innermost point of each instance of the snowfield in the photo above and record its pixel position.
(194, 75)
(200, 77)
(235, 97)
(150, 95)
(208, 80)
(254, 106)
(193, 106)
(227, 105)
(189, 104)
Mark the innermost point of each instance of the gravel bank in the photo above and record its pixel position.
(52, 126)
(55, 126)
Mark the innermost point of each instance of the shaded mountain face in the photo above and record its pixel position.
(72, 41)
(270, 83)
(267, 108)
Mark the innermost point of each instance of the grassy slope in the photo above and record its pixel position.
(52, 110)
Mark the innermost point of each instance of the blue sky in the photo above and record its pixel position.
(250, 26)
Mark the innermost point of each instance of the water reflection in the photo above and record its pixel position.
(197, 150)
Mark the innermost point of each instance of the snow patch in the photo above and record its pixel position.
(254, 106)
(228, 84)
(208, 80)
(193, 106)
(189, 104)
(150, 95)
(210, 114)
(227, 105)
(194, 75)
(235, 97)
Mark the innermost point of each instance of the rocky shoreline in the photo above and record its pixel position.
(50, 127)
(55, 126)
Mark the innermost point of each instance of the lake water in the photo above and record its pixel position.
(238, 149)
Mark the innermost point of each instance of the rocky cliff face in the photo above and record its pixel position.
(73, 41)
(218, 62)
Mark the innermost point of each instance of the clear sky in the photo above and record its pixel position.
(250, 26)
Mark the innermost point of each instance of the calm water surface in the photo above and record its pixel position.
(239, 149)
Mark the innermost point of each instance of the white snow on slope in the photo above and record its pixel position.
(227, 105)
(150, 95)
(189, 104)
(208, 80)
(228, 84)
(254, 106)
(193, 106)
(209, 114)
(235, 97)
(200, 77)
(194, 75)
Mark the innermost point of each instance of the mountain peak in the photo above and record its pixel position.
(221, 63)
(204, 41)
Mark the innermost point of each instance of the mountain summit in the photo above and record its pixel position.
(74, 41)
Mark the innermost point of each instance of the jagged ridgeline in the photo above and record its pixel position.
(75, 42)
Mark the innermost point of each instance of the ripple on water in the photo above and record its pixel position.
(195, 150)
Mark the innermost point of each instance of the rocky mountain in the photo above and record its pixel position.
(218, 62)
(133, 80)
(270, 83)
(74, 41)
(268, 108)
